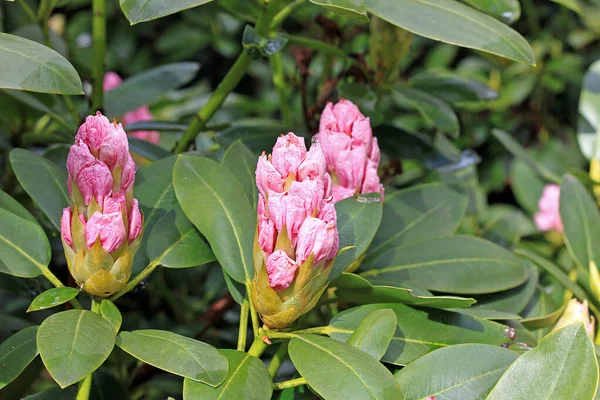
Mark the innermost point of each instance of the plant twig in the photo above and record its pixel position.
(258, 347)
(282, 15)
(289, 384)
(278, 358)
(99, 51)
(243, 331)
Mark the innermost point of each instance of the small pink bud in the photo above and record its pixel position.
(342, 118)
(316, 237)
(128, 175)
(108, 227)
(267, 177)
(112, 80)
(548, 216)
(135, 221)
(95, 182)
(93, 131)
(114, 149)
(281, 270)
(65, 226)
(288, 153)
(138, 115)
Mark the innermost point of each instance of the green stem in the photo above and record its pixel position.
(99, 51)
(279, 82)
(289, 384)
(533, 19)
(279, 335)
(243, 331)
(258, 347)
(57, 283)
(282, 15)
(319, 330)
(134, 282)
(83, 393)
(28, 10)
(278, 358)
(226, 86)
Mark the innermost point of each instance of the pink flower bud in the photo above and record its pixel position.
(128, 175)
(114, 203)
(288, 153)
(548, 216)
(316, 237)
(266, 228)
(371, 183)
(267, 177)
(314, 165)
(135, 221)
(108, 227)
(95, 182)
(79, 158)
(114, 149)
(138, 115)
(65, 226)
(112, 80)
(350, 167)
(281, 270)
(93, 131)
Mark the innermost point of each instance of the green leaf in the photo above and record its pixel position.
(357, 290)
(336, 370)
(452, 88)
(248, 379)
(54, 393)
(211, 197)
(52, 298)
(138, 11)
(507, 11)
(436, 112)
(542, 311)
(73, 344)
(421, 331)
(527, 186)
(176, 354)
(111, 313)
(257, 46)
(150, 85)
(43, 181)
(462, 372)
(452, 264)
(175, 243)
(24, 247)
(581, 221)
(417, 213)
(258, 134)
(163, 126)
(375, 332)
(357, 221)
(423, 17)
(16, 353)
(504, 225)
(12, 205)
(242, 162)
(149, 151)
(27, 65)
(562, 366)
(353, 9)
(588, 127)
(520, 153)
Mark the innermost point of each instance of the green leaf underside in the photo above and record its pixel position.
(375, 332)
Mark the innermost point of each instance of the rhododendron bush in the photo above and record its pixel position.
(299, 199)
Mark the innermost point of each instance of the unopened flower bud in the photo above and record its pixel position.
(577, 312)
(548, 216)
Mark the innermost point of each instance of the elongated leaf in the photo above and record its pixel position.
(453, 264)
(258, 134)
(353, 9)
(163, 126)
(73, 344)
(375, 332)
(415, 214)
(421, 331)
(111, 313)
(562, 366)
(24, 247)
(248, 379)
(12, 205)
(177, 354)
(54, 393)
(357, 221)
(542, 311)
(210, 195)
(588, 128)
(242, 162)
(148, 86)
(16, 353)
(27, 65)
(462, 372)
(484, 32)
(52, 298)
(436, 112)
(337, 370)
(581, 220)
(527, 186)
(147, 150)
(45, 182)
(507, 11)
(452, 88)
(145, 10)
(175, 243)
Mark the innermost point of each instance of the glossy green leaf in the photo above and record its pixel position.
(421, 331)
(452, 88)
(54, 393)
(542, 311)
(161, 126)
(111, 313)
(145, 10)
(357, 221)
(485, 33)
(435, 112)
(452, 264)
(27, 65)
(73, 344)
(257, 134)
(353, 9)
(147, 150)
(43, 181)
(462, 372)
(176, 354)
(12, 205)
(507, 11)
(588, 127)
(417, 213)
(175, 243)
(375, 332)
(150, 85)
(336, 370)
(24, 247)
(527, 186)
(16, 353)
(242, 162)
(357, 290)
(52, 298)
(210, 195)
(484, 313)
(562, 366)
(581, 220)
(248, 379)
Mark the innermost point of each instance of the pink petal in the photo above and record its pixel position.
(114, 149)
(267, 235)
(281, 270)
(78, 159)
(371, 183)
(314, 166)
(108, 227)
(328, 120)
(350, 167)
(267, 177)
(93, 131)
(340, 193)
(95, 182)
(128, 174)
(65, 226)
(112, 80)
(135, 221)
(288, 154)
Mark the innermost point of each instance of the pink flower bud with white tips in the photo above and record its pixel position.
(548, 216)
(351, 151)
(297, 237)
(102, 228)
